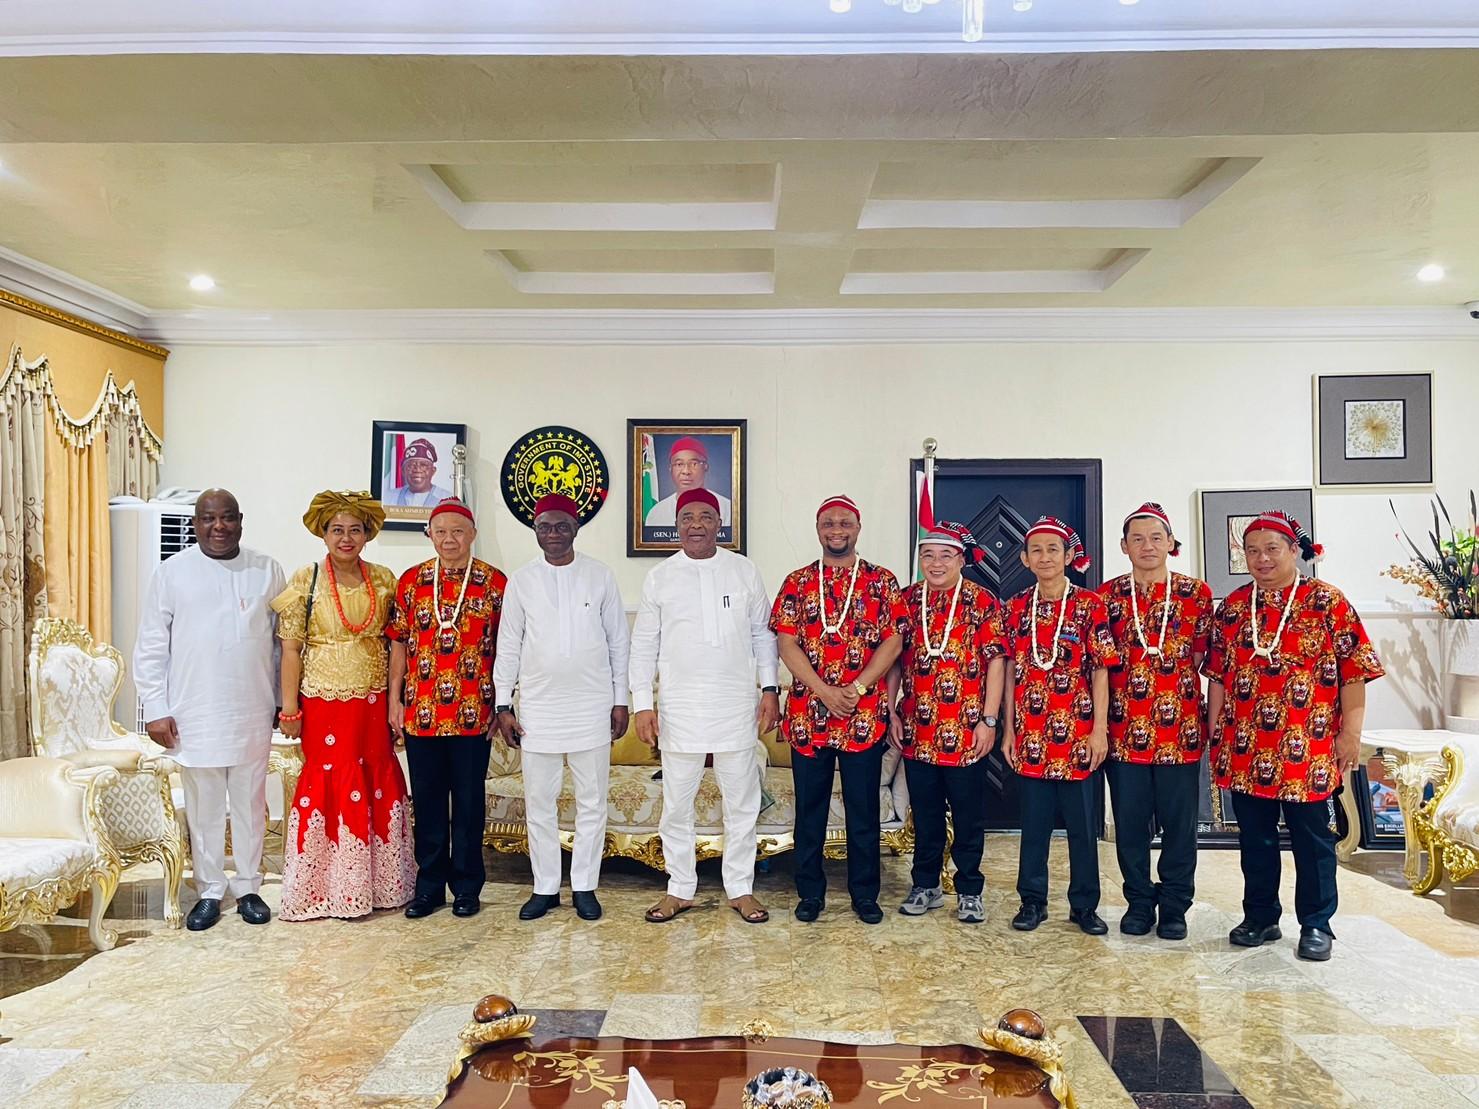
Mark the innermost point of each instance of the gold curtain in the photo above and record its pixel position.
(79, 555)
(23, 436)
(132, 469)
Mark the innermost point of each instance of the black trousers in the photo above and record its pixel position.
(963, 789)
(1042, 802)
(812, 776)
(449, 845)
(1314, 859)
(1146, 797)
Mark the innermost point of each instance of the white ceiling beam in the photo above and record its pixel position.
(957, 282)
(598, 283)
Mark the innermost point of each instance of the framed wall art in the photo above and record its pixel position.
(1226, 512)
(414, 465)
(666, 457)
(1373, 429)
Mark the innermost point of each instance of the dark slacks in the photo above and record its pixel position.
(1314, 859)
(1042, 802)
(1146, 797)
(812, 776)
(963, 789)
(447, 773)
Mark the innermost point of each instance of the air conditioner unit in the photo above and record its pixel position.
(144, 534)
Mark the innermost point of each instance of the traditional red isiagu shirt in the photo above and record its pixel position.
(1280, 716)
(838, 658)
(1156, 712)
(1055, 707)
(941, 702)
(449, 674)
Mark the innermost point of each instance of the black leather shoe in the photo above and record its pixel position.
(1314, 945)
(253, 909)
(465, 905)
(1088, 922)
(586, 905)
(869, 912)
(1248, 934)
(1172, 926)
(1137, 921)
(1029, 916)
(424, 904)
(808, 909)
(206, 912)
(532, 909)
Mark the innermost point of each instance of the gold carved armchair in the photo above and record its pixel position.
(74, 683)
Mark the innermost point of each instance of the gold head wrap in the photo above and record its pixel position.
(328, 504)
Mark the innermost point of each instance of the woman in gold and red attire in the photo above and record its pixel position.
(1287, 669)
(1161, 622)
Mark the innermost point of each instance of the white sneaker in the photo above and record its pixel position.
(921, 901)
(968, 908)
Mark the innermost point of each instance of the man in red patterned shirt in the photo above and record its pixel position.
(442, 632)
(952, 671)
(1288, 666)
(1057, 736)
(837, 624)
(1161, 622)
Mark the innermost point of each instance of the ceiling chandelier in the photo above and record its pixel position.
(972, 12)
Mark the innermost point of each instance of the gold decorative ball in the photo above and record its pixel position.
(493, 1007)
(1024, 1023)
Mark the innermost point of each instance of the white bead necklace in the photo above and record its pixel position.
(924, 618)
(1259, 650)
(1153, 652)
(833, 629)
(436, 592)
(1037, 658)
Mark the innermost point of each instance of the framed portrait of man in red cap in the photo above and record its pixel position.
(413, 466)
(667, 458)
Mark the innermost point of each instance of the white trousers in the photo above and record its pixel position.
(739, 785)
(207, 792)
(544, 774)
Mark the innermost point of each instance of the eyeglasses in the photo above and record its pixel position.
(559, 527)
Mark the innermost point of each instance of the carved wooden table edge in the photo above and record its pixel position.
(1019, 1064)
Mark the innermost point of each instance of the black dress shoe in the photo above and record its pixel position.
(1172, 926)
(1137, 921)
(532, 909)
(424, 904)
(253, 909)
(869, 912)
(586, 905)
(465, 905)
(1248, 934)
(1088, 922)
(206, 912)
(1029, 916)
(1314, 945)
(808, 909)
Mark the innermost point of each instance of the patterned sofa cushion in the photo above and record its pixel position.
(27, 862)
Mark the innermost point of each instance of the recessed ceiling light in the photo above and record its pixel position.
(1431, 272)
(202, 283)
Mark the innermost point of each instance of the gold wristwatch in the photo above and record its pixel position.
(861, 688)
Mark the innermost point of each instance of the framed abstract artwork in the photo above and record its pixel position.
(1224, 515)
(667, 457)
(1373, 429)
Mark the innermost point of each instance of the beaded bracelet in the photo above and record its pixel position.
(290, 716)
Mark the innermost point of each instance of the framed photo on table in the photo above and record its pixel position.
(414, 465)
(1373, 429)
(1226, 512)
(667, 457)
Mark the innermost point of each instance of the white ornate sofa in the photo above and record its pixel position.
(1447, 824)
(53, 843)
(74, 683)
(635, 805)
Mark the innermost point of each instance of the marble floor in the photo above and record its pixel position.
(366, 1012)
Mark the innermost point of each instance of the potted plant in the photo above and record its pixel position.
(1445, 571)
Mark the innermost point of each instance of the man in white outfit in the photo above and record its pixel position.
(703, 627)
(563, 643)
(205, 664)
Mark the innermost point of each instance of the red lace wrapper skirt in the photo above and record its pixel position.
(348, 845)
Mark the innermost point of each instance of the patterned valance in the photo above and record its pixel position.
(112, 403)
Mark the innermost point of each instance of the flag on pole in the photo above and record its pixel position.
(649, 475)
(392, 459)
(924, 507)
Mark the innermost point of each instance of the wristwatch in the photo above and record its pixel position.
(989, 721)
(770, 689)
(862, 689)
(500, 709)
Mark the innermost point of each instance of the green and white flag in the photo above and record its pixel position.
(649, 475)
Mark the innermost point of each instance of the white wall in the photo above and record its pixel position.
(276, 424)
